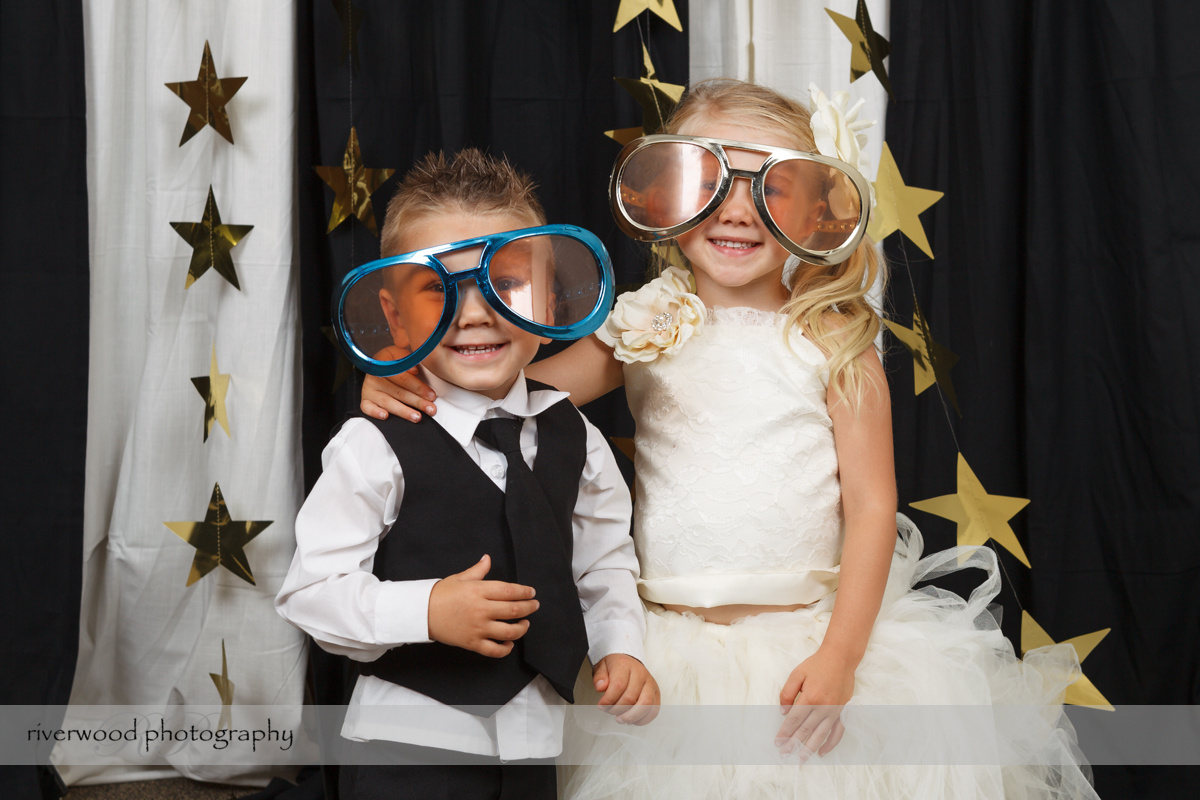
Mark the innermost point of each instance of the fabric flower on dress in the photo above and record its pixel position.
(838, 130)
(656, 319)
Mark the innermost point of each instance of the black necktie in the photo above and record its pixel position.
(556, 642)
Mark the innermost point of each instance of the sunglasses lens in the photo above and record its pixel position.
(548, 279)
(668, 183)
(814, 205)
(389, 313)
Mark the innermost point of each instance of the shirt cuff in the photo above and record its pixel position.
(402, 612)
(612, 636)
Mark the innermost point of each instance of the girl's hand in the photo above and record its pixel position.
(400, 395)
(812, 699)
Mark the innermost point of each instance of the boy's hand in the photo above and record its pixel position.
(468, 612)
(400, 395)
(812, 700)
(629, 688)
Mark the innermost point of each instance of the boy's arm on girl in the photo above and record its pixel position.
(585, 370)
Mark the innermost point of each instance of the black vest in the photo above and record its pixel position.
(451, 515)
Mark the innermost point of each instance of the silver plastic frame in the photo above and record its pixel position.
(774, 156)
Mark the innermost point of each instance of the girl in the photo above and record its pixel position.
(765, 482)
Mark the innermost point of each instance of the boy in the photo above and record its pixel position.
(396, 540)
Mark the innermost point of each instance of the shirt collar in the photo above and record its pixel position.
(460, 410)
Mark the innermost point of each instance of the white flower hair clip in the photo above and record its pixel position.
(838, 130)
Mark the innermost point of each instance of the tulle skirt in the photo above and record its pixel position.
(942, 707)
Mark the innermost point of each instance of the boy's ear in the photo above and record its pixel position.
(395, 327)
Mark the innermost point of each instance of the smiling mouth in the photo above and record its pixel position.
(475, 349)
(732, 245)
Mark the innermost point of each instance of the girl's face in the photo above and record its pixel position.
(736, 260)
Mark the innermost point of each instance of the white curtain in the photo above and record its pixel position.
(146, 638)
(787, 44)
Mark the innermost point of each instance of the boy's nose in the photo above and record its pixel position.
(473, 309)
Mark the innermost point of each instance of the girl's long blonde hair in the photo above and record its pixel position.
(828, 304)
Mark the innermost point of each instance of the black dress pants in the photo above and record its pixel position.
(408, 772)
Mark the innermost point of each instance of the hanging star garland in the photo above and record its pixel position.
(211, 243)
(212, 388)
(931, 361)
(206, 97)
(351, 17)
(656, 98)
(1082, 692)
(631, 8)
(225, 690)
(219, 540)
(867, 48)
(897, 205)
(980, 516)
(353, 184)
(344, 368)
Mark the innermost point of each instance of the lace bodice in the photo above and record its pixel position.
(738, 499)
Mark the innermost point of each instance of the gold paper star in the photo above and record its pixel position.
(211, 242)
(1082, 692)
(867, 48)
(206, 97)
(980, 516)
(219, 540)
(624, 136)
(212, 388)
(656, 98)
(353, 184)
(931, 361)
(898, 205)
(631, 8)
(225, 690)
(351, 17)
(344, 368)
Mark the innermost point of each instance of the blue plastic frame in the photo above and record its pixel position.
(491, 243)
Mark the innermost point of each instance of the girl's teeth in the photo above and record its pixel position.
(734, 245)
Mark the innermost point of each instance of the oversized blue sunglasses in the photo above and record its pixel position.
(552, 280)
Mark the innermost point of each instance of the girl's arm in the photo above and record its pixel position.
(585, 370)
(817, 689)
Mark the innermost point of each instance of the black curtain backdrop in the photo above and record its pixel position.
(532, 81)
(44, 327)
(1067, 278)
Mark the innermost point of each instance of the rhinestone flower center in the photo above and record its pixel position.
(661, 321)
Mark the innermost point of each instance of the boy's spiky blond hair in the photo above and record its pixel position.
(471, 181)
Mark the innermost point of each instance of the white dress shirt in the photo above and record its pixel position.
(331, 593)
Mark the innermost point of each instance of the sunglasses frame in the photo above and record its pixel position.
(491, 243)
(756, 177)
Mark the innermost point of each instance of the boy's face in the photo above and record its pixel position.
(481, 351)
